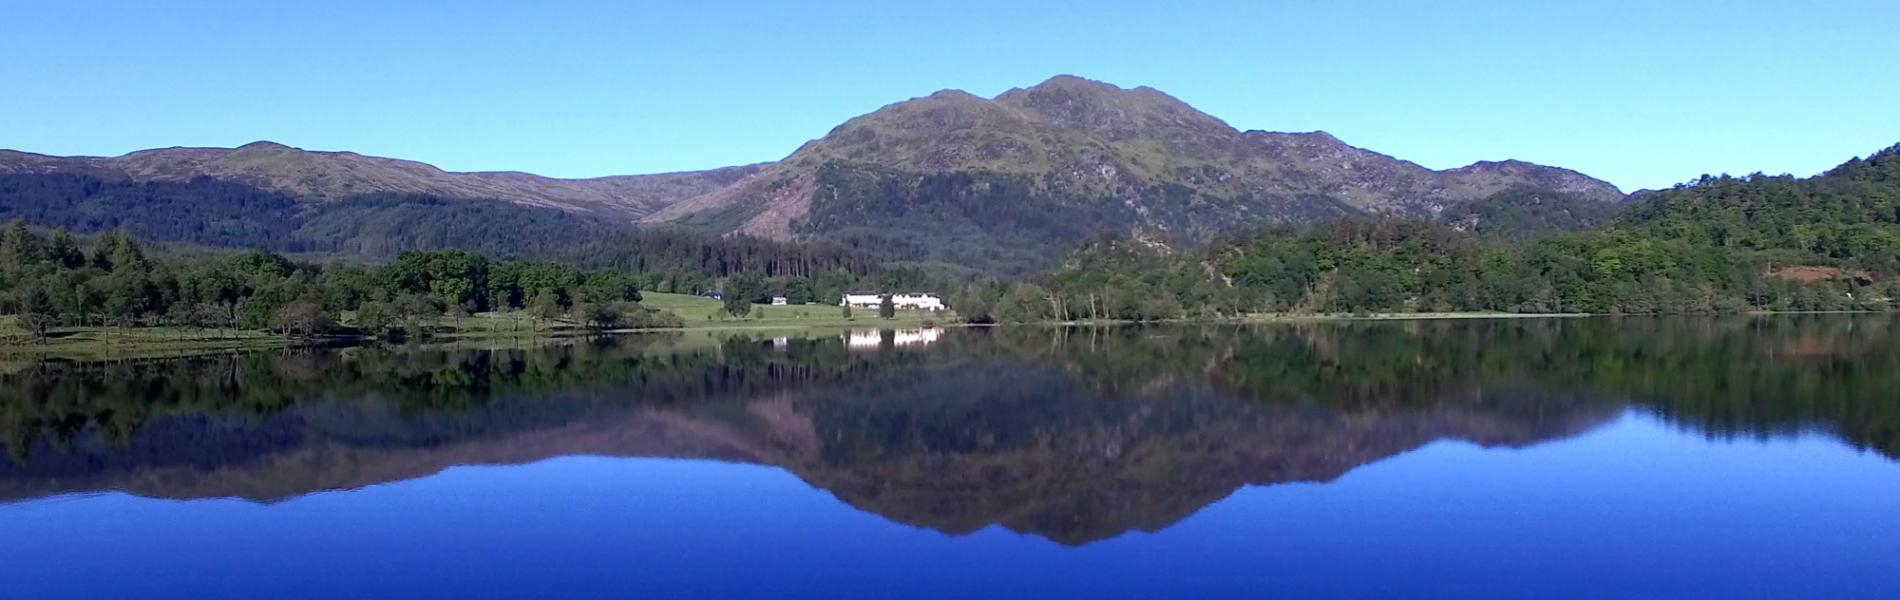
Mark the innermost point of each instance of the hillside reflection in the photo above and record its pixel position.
(1076, 435)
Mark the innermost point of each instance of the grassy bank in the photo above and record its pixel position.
(1419, 316)
(90, 343)
(704, 319)
(96, 343)
(703, 313)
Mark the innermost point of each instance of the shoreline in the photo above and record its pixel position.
(86, 344)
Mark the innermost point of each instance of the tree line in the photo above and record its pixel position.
(52, 281)
(1832, 374)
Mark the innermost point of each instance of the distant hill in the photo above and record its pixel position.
(1529, 213)
(212, 212)
(323, 176)
(1849, 215)
(1005, 183)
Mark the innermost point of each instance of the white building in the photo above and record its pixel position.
(862, 299)
(779, 301)
(918, 301)
(905, 301)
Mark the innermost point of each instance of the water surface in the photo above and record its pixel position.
(1739, 457)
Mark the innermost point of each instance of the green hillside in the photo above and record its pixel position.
(1720, 244)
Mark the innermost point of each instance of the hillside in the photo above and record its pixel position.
(323, 176)
(211, 212)
(1720, 244)
(1003, 184)
(1848, 216)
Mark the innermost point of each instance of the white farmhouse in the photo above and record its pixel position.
(918, 301)
(905, 301)
(862, 299)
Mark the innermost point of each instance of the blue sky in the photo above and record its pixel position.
(1642, 94)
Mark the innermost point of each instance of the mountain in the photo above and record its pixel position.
(1004, 183)
(956, 177)
(321, 176)
(217, 213)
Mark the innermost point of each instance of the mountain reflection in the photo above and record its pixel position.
(1075, 435)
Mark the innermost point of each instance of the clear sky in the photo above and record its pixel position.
(1643, 94)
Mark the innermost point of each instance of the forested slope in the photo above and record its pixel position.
(1719, 244)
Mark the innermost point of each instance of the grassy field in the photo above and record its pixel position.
(87, 343)
(94, 343)
(701, 313)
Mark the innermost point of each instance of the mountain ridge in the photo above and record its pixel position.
(319, 175)
(949, 177)
(1052, 164)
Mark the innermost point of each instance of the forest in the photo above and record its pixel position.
(53, 282)
(58, 279)
(1715, 245)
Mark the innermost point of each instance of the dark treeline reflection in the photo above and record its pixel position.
(1724, 376)
(424, 394)
(1073, 434)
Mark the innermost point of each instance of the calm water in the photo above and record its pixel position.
(1563, 458)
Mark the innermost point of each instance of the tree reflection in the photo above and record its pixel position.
(1074, 434)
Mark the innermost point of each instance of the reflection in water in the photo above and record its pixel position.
(916, 337)
(1075, 435)
(865, 339)
(873, 339)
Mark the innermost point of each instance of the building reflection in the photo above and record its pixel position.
(873, 339)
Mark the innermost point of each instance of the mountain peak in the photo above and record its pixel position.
(1075, 103)
(268, 150)
(1494, 175)
(954, 95)
(265, 145)
(1073, 82)
(1509, 163)
(1073, 88)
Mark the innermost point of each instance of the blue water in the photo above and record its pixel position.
(1634, 504)
(1632, 509)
